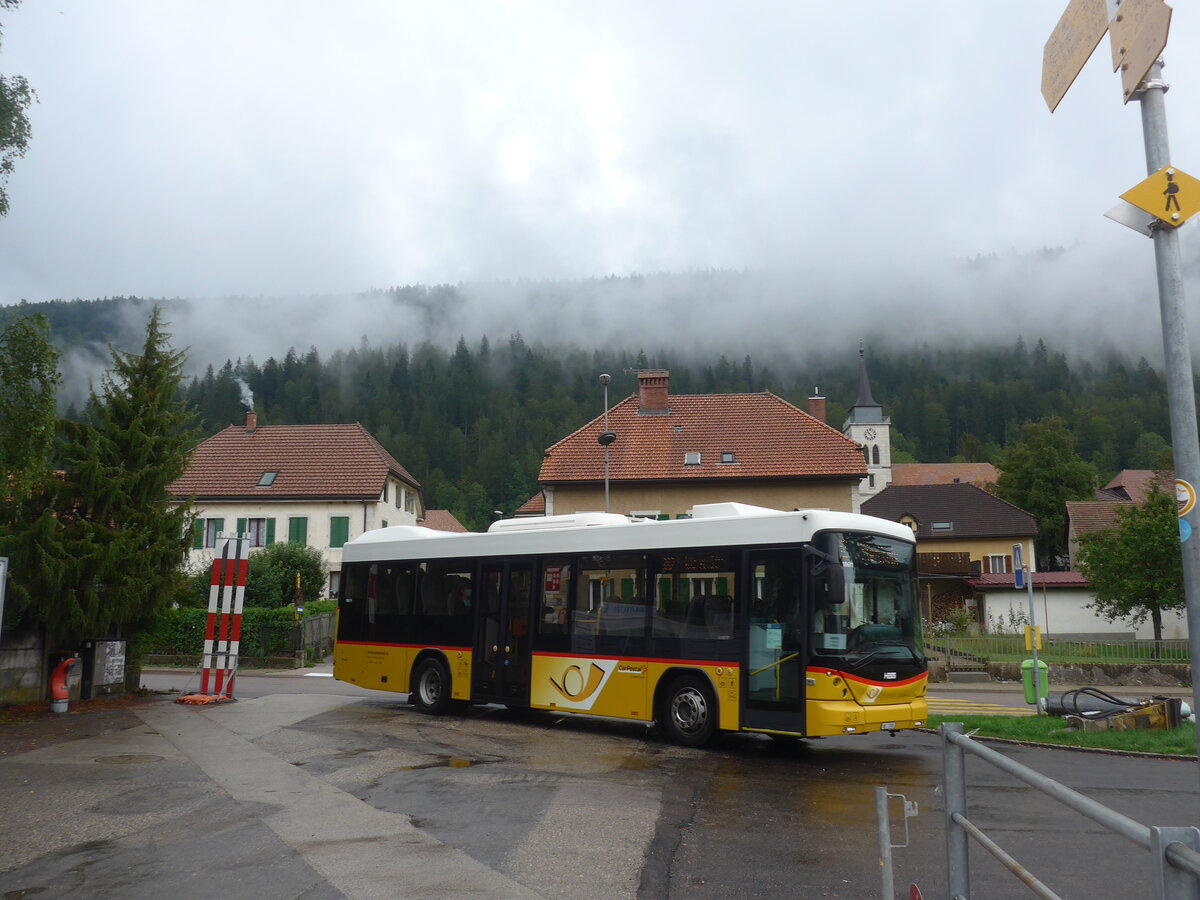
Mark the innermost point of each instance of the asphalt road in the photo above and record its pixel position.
(310, 788)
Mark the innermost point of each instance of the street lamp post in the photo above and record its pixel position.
(606, 437)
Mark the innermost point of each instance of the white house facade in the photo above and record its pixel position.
(320, 485)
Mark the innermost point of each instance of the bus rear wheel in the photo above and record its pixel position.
(689, 715)
(431, 687)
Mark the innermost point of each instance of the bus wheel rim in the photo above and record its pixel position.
(431, 687)
(689, 711)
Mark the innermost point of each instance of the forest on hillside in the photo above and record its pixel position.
(470, 419)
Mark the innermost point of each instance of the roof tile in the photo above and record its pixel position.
(335, 461)
(766, 436)
(971, 511)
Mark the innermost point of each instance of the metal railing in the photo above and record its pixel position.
(979, 649)
(1176, 851)
(316, 634)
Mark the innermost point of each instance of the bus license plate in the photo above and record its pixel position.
(888, 726)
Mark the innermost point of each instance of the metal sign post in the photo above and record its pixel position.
(1138, 32)
(1021, 574)
(1181, 398)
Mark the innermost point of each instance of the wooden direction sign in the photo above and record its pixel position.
(1170, 195)
(1138, 34)
(1076, 35)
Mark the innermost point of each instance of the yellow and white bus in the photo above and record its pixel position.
(739, 618)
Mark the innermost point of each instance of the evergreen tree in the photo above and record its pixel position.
(30, 378)
(28, 527)
(127, 536)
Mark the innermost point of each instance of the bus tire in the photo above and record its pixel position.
(689, 713)
(431, 687)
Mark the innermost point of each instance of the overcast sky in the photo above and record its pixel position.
(199, 149)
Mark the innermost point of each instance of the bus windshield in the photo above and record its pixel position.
(867, 611)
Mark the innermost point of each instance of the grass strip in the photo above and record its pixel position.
(1053, 730)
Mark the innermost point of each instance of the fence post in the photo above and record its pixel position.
(954, 778)
(1173, 883)
(884, 826)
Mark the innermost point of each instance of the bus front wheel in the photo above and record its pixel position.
(431, 687)
(689, 714)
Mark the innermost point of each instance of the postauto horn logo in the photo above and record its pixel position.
(579, 687)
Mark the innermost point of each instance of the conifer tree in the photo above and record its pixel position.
(126, 535)
(28, 529)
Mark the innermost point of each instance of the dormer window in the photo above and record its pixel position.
(691, 458)
(267, 479)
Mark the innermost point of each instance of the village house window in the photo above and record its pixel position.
(261, 531)
(339, 530)
(298, 529)
(410, 502)
(212, 528)
(997, 563)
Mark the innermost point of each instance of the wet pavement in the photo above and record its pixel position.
(317, 795)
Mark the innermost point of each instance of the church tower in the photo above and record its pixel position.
(867, 425)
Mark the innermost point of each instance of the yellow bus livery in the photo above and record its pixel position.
(739, 618)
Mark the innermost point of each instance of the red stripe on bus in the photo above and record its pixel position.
(645, 659)
(413, 646)
(822, 670)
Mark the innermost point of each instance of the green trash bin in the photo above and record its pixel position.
(1027, 680)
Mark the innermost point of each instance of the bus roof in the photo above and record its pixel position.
(711, 525)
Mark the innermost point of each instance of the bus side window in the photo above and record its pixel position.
(555, 594)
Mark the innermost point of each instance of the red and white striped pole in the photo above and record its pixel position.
(227, 591)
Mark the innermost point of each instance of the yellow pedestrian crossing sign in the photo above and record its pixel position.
(1170, 195)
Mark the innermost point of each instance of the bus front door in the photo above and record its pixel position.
(502, 651)
(774, 678)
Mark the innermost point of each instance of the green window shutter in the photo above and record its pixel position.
(241, 526)
(685, 590)
(198, 534)
(219, 527)
(270, 531)
(626, 589)
(298, 530)
(339, 530)
(722, 586)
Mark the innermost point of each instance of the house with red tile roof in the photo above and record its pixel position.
(670, 452)
(1128, 486)
(978, 474)
(321, 485)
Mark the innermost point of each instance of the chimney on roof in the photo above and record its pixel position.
(816, 406)
(251, 421)
(652, 392)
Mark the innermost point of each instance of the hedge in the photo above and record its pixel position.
(180, 632)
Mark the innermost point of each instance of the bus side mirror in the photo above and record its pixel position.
(837, 585)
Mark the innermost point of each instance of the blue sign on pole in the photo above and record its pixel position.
(1018, 566)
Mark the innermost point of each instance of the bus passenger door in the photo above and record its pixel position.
(775, 653)
(501, 668)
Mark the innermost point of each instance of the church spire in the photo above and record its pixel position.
(864, 383)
